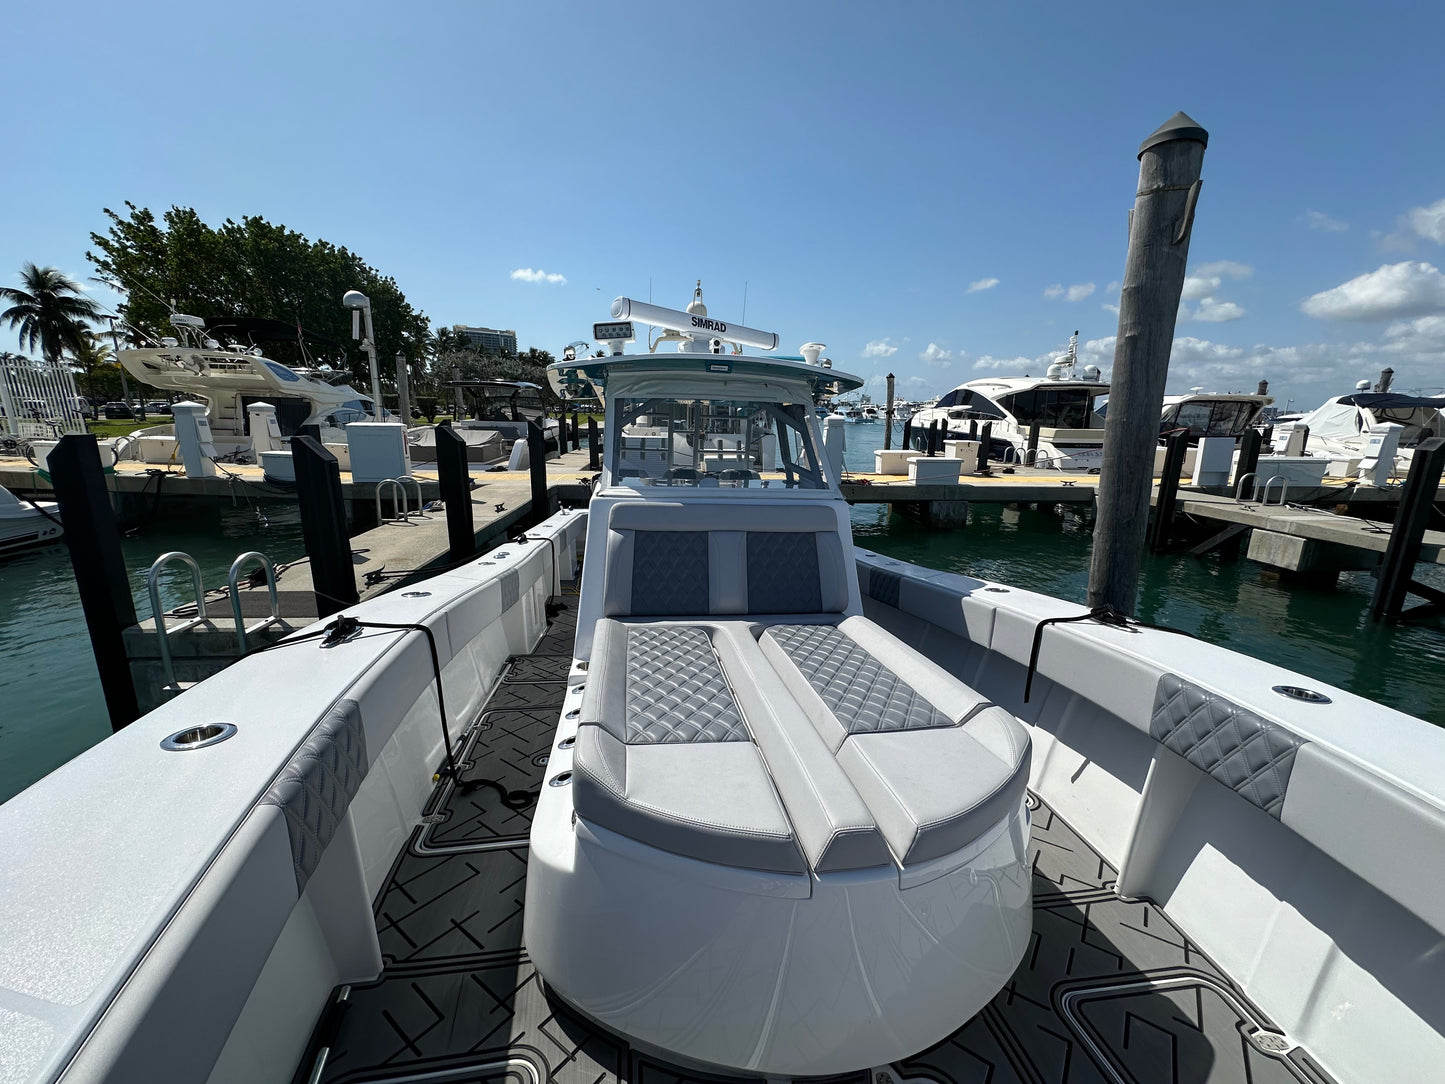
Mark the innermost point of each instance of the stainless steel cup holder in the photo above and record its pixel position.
(1306, 696)
(415, 594)
(198, 737)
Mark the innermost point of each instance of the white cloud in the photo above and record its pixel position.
(1429, 222)
(528, 274)
(1209, 277)
(1018, 365)
(1110, 308)
(982, 284)
(1211, 311)
(1318, 220)
(933, 354)
(1391, 292)
(880, 348)
(1077, 292)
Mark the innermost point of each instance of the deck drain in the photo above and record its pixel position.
(197, 737)
(1271, 1042)
(561, 780)
(566, 743)
(1307, 696)
(540, 759)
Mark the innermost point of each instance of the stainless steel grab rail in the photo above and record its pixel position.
(233, 582)
(162, 632)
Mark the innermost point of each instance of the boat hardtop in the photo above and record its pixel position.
(738, 798)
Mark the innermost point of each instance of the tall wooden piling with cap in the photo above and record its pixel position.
(888, 417)
(1170, 162)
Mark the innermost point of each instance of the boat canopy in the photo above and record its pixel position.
(1345, 417)
(586, 377)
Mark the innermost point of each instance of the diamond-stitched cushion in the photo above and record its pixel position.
(1244, 751)
(669, 573)
(863, 694)
(317, 785)
(676, 691)
(783, 572)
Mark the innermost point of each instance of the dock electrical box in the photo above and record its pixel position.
(378, 451)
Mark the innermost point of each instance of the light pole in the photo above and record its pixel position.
(403, 389)
(360, 306)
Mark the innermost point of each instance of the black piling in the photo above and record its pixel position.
(933, 438)
(973, 429)
(562, 433)
(907, 441)
(575, 442)
(323, 526)
(594, 445)
(455, 480)
(985, 438)
(1249, 446)
(93, 539)
(1162, 528)
(537, 466)
(1417, 505)
(1031, 458)
(888, 417)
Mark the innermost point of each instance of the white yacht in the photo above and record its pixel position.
(26, 523)
(1341, 427)
(741, 801)
(229, 378)
(1071, 431)
(1212, 414)
(494, 415)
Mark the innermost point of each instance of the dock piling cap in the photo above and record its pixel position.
(1180, 126)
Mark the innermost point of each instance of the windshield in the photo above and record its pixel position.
(1058, 408)
(1218, 418)
(713, 442)
(1416, 421)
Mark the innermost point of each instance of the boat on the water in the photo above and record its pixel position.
(495, 414)
(737, 800)
(24, 524)
(1342, 426)
(1060, 403)
(228, 378)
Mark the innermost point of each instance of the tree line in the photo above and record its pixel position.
(250, 268)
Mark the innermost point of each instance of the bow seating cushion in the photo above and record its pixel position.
(935, 762)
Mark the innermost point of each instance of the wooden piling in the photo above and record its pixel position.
(561, 432)
(93, 539)
(1163, 525)
(323, 526)
(1417, 505)
(906, 441)
(1170, 161)
(985, 438)
(454, 479)
(888, 417)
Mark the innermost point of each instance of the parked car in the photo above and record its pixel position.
(116, 411)
(158, 406)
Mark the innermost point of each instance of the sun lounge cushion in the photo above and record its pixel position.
(935, 791)
(664, 757)
(935, 762)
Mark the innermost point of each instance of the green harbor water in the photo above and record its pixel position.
(1323, 633)
(51, 708)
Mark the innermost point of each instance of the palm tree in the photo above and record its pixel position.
(92, 356)
(49, 310)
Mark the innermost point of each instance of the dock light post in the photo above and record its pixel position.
(403, 389)
(361, 328)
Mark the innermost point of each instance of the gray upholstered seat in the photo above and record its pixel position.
(664, 756)
(935, 762)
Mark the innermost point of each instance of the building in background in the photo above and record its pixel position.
(488, 340)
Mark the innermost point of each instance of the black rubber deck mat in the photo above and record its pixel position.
(504, 760)
(453, 907)
(1108, 991)
(515, 695)
(537, 668)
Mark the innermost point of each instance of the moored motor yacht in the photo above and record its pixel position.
(230, 378)
(26, 523)
(494, 415)
(1343, 425)
(1212, 414)
(758, 802)
(1061, 404)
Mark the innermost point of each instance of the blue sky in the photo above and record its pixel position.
(868, 171)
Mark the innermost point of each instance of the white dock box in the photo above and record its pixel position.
(933, 472)
(378, 451)
(965, 451)
(892, 461)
